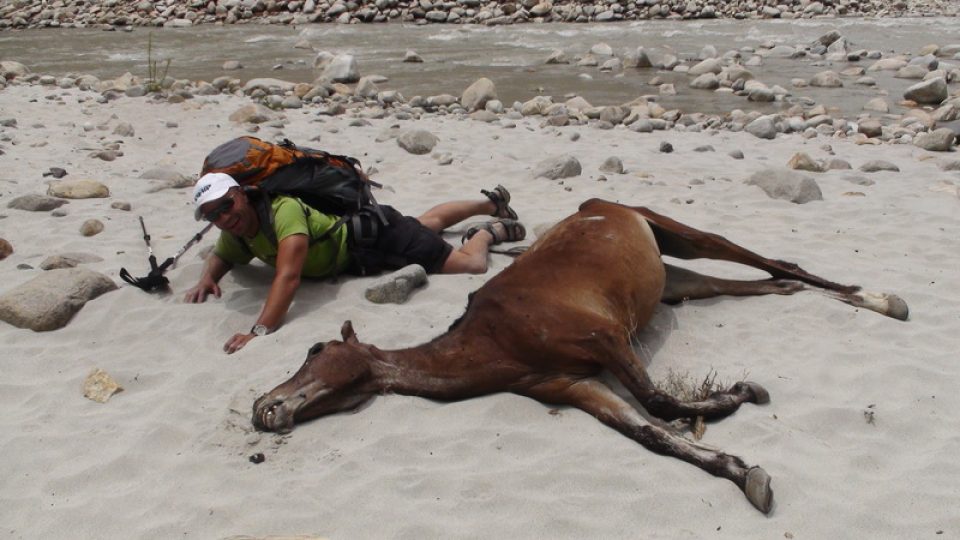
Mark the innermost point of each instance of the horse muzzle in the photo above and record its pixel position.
(273, 414)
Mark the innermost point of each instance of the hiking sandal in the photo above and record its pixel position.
(501, 197)
(513, 231)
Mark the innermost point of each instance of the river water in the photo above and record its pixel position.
(512, 56)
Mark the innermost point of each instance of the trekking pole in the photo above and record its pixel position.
(172, 261)
(155, 279)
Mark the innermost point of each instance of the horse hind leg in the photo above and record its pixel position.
(597, 399)
(682, 284)
(684, 242)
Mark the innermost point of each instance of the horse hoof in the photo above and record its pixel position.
(897, 308)
(758, 490)
(760, 394)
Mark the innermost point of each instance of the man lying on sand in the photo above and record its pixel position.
(405, 240)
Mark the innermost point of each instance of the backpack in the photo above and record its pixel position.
(329, 183)
(332, 184)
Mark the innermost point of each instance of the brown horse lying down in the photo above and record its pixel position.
(547, 325)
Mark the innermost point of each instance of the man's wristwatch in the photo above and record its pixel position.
(259, 330)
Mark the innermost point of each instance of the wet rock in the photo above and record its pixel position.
(6, 249)
(637, 59)
(564, 166)
(56, 172)
(48, 301)
(475, 97)
(879, 165)
(932, 92)
(411, 57)
(100, 386)
(787, 185)
(417, 141)
(803, 162)
(736, 154)
(612, 164)
(706, 81)
(666, 147)
(826, 79)
(78, 189)
(939, 140)
(397, 287)
(710, 65)
(36, 203)
(232, 65)
(951, 165)
(342, 68)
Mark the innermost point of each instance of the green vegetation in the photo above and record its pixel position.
(156, 69)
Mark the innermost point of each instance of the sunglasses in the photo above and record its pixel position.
(220, 209)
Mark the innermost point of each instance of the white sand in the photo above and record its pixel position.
(168, 457)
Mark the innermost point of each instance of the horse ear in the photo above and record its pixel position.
(346, 331)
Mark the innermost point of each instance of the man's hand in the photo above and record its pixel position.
(203, 289)
(213, 270)
(237, 342)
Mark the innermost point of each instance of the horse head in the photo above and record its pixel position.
(330, 380)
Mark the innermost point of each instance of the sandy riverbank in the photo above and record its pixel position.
(860, 434)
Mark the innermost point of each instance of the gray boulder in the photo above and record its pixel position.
(612, 164)
(938, 140)
(787, 185)
(477, 95)
(764, 127)
(555, 168)
(48, 301)
(706, 81)
(342, 68)
(879, 165)
(269, 85)
(803, 162)
(932, 91)
(826, 79)
(397, 287)
(36, 203)
(710, 65)
(417, 141)
(78, 189)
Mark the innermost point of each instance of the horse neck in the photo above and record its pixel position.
(424, 369)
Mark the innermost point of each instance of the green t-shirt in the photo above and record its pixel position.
(290, 217)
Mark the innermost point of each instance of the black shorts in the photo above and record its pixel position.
(402, 242)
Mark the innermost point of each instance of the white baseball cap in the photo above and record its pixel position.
(211, 187)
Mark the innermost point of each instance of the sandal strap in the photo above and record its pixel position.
(501, 198)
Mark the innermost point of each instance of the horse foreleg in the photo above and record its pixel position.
(684, 242)
(629, 370)
(595, 398)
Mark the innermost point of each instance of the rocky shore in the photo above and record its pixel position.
(110, 14)
(931, 120)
